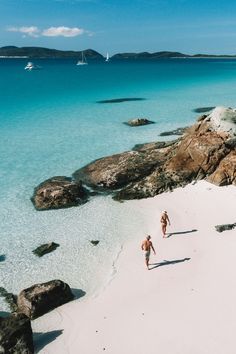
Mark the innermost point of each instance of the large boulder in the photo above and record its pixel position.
(41, 298)
(59, 192)
(116, 171)
(197, 156)
(16, 335)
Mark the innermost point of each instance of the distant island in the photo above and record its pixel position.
(39, 52)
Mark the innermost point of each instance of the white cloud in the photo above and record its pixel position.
(31, 31)
(63, 31)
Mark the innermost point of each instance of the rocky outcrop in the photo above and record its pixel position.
(206, 151)
(225, 227)
(138, 122)
(16, 335)
(41, 298)
(59, 192)
(45, 248)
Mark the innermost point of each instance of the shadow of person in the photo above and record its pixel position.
(42, 339)
(2, 257)
(78, 293)
(181, 232)
(164, 263)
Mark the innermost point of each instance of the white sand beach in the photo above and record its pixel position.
(184, 305)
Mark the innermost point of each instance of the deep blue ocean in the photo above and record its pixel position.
(51, 124)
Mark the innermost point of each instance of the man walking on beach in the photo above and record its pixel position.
(164, 220)
(147, 246)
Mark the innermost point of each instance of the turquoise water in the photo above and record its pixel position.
(51, 125)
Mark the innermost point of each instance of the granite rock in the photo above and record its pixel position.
(59, 192)
(16, 335)
(225, 227)
(138, 122)
(207, 150)
(42, 298)
(45, 248)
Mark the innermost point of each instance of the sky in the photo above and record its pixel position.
(115, 26)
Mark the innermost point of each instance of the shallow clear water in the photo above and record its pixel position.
(51, 125)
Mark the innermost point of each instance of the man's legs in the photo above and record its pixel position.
(147, 255)
(163, 226)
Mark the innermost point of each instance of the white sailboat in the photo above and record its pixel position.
(107, 57)
(31, 66)
(83, 60)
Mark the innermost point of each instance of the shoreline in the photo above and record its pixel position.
(175, 297)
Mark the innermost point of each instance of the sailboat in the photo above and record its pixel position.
(107, 57)
(83, 60)
(31, 66)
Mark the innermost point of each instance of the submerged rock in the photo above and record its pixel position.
(59, 192)
(155, 145)
(16, 335)
(9, 298)
(45, 248)
(178, 131)
(138, 122)
(2, 257)
(95, 242)
(119, 100)
(203, 109)
(41, 298)
(225, 227)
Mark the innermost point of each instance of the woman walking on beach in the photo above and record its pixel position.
(164, 220)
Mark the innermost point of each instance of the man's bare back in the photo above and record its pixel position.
(146, 245)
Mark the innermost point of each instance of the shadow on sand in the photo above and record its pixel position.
(42, 339)
(2, 257)
(164, 263)
(181, 232)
